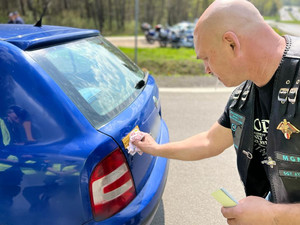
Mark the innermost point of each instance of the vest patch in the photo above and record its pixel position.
(288, 173)
(288, 158)
(237, 123)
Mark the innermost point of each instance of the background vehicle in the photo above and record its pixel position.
(181, 35)
(149, 33)
(159, 34)
(187, 38)
(69, 99)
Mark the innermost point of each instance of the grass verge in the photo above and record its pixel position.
(167, 61)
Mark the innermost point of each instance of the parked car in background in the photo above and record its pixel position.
(183, 26)
(182, 35)
(179, 35)
(69, 100)
(187, 38)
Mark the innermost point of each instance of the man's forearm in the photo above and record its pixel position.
(286, 214)
(203, 145)
(193, 148)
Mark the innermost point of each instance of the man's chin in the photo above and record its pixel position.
(229, 84)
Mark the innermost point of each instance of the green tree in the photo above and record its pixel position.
(117, 16)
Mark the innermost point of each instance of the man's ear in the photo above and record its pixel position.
(230, 39)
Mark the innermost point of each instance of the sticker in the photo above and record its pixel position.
(126, 139)
(287, 128)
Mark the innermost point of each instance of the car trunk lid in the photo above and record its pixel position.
(143, 113)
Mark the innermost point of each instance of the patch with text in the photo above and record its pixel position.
(237, 124)
(288, 157)
(289, 173)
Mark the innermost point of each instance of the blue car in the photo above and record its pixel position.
(68, 102)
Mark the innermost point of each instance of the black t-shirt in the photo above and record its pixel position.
(262, 110)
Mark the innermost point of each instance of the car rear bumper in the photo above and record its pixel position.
(143, 208)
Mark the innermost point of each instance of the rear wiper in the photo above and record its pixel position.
(143, 82)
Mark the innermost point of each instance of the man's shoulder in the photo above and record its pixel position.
(293, 47)
(239, 89)
(240, 94)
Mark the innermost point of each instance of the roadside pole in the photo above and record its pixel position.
(136, 30)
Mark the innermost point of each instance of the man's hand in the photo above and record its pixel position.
(147, 144)
(200, 146)
(250, 211)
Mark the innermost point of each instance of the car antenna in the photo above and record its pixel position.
(39, 23)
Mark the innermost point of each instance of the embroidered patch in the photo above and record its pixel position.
(237, 123)
(288, 158)
(288, 173)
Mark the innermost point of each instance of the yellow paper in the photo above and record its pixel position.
(224, 198)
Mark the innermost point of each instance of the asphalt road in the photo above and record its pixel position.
(286, 11)
(291, 29)
(187, 198)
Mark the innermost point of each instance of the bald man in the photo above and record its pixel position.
(261, 119)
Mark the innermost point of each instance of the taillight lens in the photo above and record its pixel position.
(111, 186)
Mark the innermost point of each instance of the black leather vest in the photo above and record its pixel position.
(283, 147)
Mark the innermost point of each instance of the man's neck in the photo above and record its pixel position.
(269, 62)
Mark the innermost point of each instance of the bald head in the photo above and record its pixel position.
(239, 16)
(233, 39)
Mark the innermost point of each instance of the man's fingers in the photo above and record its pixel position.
(143, 139)
(229, 212)
(231, 221)
(145, 136)
(137, 143)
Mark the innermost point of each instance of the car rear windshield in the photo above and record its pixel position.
(95, 75)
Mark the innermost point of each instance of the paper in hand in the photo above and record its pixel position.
(224, 198)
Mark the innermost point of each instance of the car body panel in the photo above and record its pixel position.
(46, 179)
(148, 120)
(60, 146)
(28, 37)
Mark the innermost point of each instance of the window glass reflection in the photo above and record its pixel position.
(16, 127)
(97, 77)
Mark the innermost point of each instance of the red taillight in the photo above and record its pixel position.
(111, 186)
